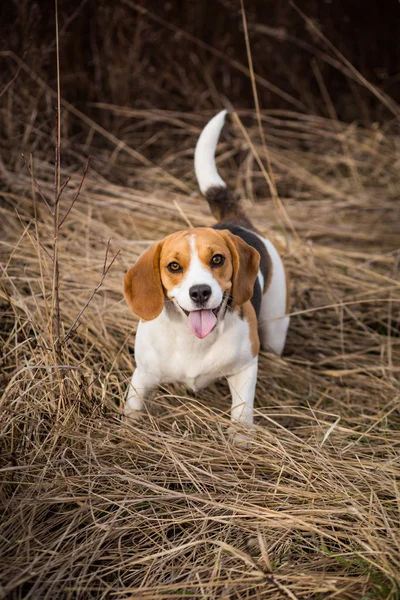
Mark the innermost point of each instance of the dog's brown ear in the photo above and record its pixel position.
(246, 261)
(143, 290)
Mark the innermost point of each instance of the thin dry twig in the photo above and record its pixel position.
(37, 186)
(98, 286)
(75, 198)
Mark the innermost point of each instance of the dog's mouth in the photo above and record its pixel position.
(213, 310)
(203, 321)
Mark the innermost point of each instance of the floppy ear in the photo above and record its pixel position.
(246, 261)
(143, 290)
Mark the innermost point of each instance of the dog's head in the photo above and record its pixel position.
(199, 271)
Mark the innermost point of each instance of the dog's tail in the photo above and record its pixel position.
(223, 204)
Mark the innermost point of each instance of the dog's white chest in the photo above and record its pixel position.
(170, 350)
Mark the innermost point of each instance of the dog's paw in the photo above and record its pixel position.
(130, 415)
(242, 436)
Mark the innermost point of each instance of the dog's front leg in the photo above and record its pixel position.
(242, 386)
(140, 386)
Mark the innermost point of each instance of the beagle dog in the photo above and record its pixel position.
(207, 298)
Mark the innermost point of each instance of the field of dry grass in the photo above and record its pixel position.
(167, 507)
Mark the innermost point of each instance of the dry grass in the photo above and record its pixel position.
(168, 507)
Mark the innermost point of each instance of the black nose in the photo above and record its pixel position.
(200, 293)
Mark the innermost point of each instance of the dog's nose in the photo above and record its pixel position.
(200, 293)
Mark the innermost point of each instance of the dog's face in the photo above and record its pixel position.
(198, 270)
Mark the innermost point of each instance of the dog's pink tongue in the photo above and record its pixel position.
(202, 322)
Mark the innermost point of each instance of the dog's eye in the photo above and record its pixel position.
(174, 267)
(217, 260)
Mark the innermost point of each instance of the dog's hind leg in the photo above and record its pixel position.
(273, 320)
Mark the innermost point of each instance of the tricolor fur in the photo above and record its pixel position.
(207, 298)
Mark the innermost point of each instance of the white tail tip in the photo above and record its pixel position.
(204, 155)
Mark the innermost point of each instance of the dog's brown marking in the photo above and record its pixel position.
(246, 262)
(267, 273)
(142, 285)
(208, 243)
(249, 314)
(240, 269)
(175, 249)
